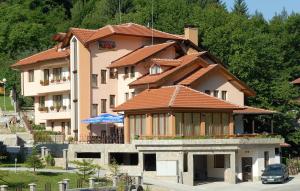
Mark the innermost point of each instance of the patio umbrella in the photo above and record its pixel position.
(104, 118)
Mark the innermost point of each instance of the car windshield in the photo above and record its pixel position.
(273, 170)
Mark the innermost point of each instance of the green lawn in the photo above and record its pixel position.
(9, 107)
(14, 180)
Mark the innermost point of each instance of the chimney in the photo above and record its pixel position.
(191, 33)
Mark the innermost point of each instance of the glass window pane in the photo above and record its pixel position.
(131, 126)
(143, 125)
(155, 124)
(168, 130)
(162, 124)
(196, 124)
(137, 124)
(208, 123)
(217, 126)
(225, 123)
(187, 129)
(178, 124)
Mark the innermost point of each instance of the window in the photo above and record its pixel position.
(185, 162)
(207, 92)
(46, 76)
(94, 110)
(149, 162)
(132, 71)
(224, 95)
(126, 96)
(216, 124)
(57, 74)
(30, 75)
(57, 100)
(160, 124)
(219, 161)
(266, 158)
(124, 158)
(112, 73)
(69, 128)
(63, 127)
(103, 76)
(112, 99)
(216, 93)
(94, 80)
(155, 69)
(132, 94)
(126, 72)
(187, 124)
(137, 125)
(103, 105)
(42, 101)
(52, 126)
(83, 155)
(277, 151)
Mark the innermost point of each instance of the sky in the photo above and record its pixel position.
(268, 7)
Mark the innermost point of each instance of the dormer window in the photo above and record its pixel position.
(155, 69)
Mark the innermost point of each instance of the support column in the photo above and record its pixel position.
(3, 188)
(65, 157)
(61, 186)
(202, 124)
(231, 171)
(47, 151)
(149, 126)
(253, 126)
(32, 187)
(272, 126)
(43, 152)
(126, 130)
(67, 183)
(231, 124)
(92, 182)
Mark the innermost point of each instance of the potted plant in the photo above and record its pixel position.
(64, 79)
(52, 81)
(58, 108)
(52, 108)
(46, 82)
(64, 107)
(46, 109)
(57, 80)
(42, 82)
(41, 109)
(69, 77)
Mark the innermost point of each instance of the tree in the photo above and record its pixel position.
(85, 168)
(240, 7)
(114, 168)
(34, 161)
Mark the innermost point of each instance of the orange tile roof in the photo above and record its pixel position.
(253, 110)
(139, 55)
(297, 81)
(49, 54)
(166, 62)
(154, 78)
(175, 97)
(198, 74)
(131, 29)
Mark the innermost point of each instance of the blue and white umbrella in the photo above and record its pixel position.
(104, 118)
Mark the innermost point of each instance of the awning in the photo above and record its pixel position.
(254, 110)
(104, 118)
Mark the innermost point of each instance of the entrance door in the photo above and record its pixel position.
(200, 167)
(247, 168)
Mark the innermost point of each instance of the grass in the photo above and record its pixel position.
(15, 180)
(9, 107)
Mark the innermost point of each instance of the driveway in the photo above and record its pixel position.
(292, 185)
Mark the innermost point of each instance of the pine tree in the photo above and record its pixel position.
(240, 7)
(85, 168)
(34, 161)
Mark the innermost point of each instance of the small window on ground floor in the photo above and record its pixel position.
(185, 162)
(129, 159)
(219, 161)
(149, 162)
(88, 155)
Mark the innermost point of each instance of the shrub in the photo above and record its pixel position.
(50, 160)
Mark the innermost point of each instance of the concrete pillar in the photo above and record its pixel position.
(43, 152)
(149, 126)
(126, 130)
(47, 151)
(202, 124)
(65, 157)
(67, 183)
(92, 182)
(230, 175)
(3, 188)
(32, 187)
(61, 186)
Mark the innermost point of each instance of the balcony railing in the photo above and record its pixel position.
(237, 136)
(54, 81)
(106, 139)
(54, 109)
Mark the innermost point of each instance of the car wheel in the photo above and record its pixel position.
(263, 182)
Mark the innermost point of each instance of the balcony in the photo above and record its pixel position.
(50, 113)
(48, 86)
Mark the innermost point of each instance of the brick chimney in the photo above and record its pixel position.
(191, 33)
